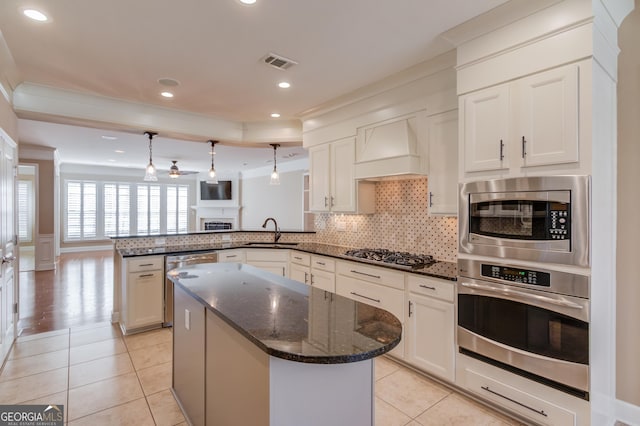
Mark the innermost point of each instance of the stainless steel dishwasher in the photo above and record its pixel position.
(179, 261)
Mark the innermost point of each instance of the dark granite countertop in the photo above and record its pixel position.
(442, 270)
(220, 231)
(288, 319)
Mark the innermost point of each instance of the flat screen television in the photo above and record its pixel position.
(215, 191)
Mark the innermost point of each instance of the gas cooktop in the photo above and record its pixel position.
(397, 258)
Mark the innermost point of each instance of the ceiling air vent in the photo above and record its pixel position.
(278, 61)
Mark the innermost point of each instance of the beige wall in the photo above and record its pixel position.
(46, 206)
(628, 283)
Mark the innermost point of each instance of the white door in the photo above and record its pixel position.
(485, 117)
(546, 109)
(8, 279)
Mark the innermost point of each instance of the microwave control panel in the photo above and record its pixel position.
(559, 221)
(516, 275)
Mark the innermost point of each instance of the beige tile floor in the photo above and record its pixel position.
(103, 378)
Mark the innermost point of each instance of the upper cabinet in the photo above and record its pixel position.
(515, 127)
(332, 185)
(442, 134)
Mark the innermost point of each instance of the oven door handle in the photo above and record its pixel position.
(537, 297)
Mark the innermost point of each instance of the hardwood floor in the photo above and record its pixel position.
(78, 292)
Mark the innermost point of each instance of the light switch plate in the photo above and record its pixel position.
(160, 241)
(226, 237)
(187, 319)
(341, 225)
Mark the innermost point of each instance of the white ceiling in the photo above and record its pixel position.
(120, 48)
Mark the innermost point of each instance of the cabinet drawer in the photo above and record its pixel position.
(261, 255)
(323, 263)
(525, 404)
(145, 263)
(231, 256)
(389, 299)
(440, 289)
(372, 274)
(300, 258)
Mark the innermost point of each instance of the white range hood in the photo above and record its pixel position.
(390, 150)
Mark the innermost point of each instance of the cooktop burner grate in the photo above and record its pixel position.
(403, 259)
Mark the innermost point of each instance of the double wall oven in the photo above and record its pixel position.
(523, 287)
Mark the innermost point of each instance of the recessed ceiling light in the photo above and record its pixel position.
(247, 2)
(284, 85)
(119, 151)
(36, 15)
(109, 138)
(167, 94)
(169, 82)
(275, 115)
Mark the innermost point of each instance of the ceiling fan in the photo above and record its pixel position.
(175, 173)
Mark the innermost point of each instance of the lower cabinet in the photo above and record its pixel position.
(300, 267)
(430, 326)
(275, 261)
(142, 294)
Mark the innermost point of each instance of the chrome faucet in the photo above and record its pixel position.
(277, 234)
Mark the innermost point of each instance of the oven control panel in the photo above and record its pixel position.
(516, 275)
(559, 222)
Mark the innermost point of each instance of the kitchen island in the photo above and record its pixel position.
(254, 348)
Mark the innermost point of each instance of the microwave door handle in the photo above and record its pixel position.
(537, 297)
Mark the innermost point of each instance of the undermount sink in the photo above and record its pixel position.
(265, 244)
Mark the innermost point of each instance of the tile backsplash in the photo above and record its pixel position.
(401, 222)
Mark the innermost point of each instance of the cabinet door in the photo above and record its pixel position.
(431, 329)
(546, 108)
(323, 280)
(299, 273)
(319, 179)
(485, 129)
(144, 299)
(343, 186)
(443, 163)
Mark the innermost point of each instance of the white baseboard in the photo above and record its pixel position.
(627, 413)
(87, 248)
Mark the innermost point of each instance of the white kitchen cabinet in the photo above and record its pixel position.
(443, 163)
(142, 294)
(530, 122)
(300, 267)
(323, 273)
(431, 326)
(275, 261)
(332, 185)
(235, 255)
(375, 286)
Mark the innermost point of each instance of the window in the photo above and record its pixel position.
(177, 208)
(148, 201)
(116, 209)
(25, 211)
(99, 210)
(81, 211)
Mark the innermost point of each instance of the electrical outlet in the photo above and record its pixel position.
(226, 237)
(341, 225)
(354, 227)
(160, 241)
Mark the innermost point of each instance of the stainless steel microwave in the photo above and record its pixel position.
(542, 218)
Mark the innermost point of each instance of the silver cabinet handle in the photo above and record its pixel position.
(564, 303)
(501, 150)
(427, 287)
(365, 297)
(365, 274)
(321, 263)
(229, 256)
(146, 264)
(326, 201)
(430, 199)
(332, 203)
(524, 147)
(297, 258)
(145, 275)
(541, 412)
(312, 279)
(410, 306)
(306, 278)
(284, 273)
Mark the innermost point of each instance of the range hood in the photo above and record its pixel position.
(389, 150)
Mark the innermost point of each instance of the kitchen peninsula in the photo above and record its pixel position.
(254, 348)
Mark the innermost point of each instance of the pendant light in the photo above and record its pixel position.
(275, 177)
(174, 173)
(212, 171)
(150, 174)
